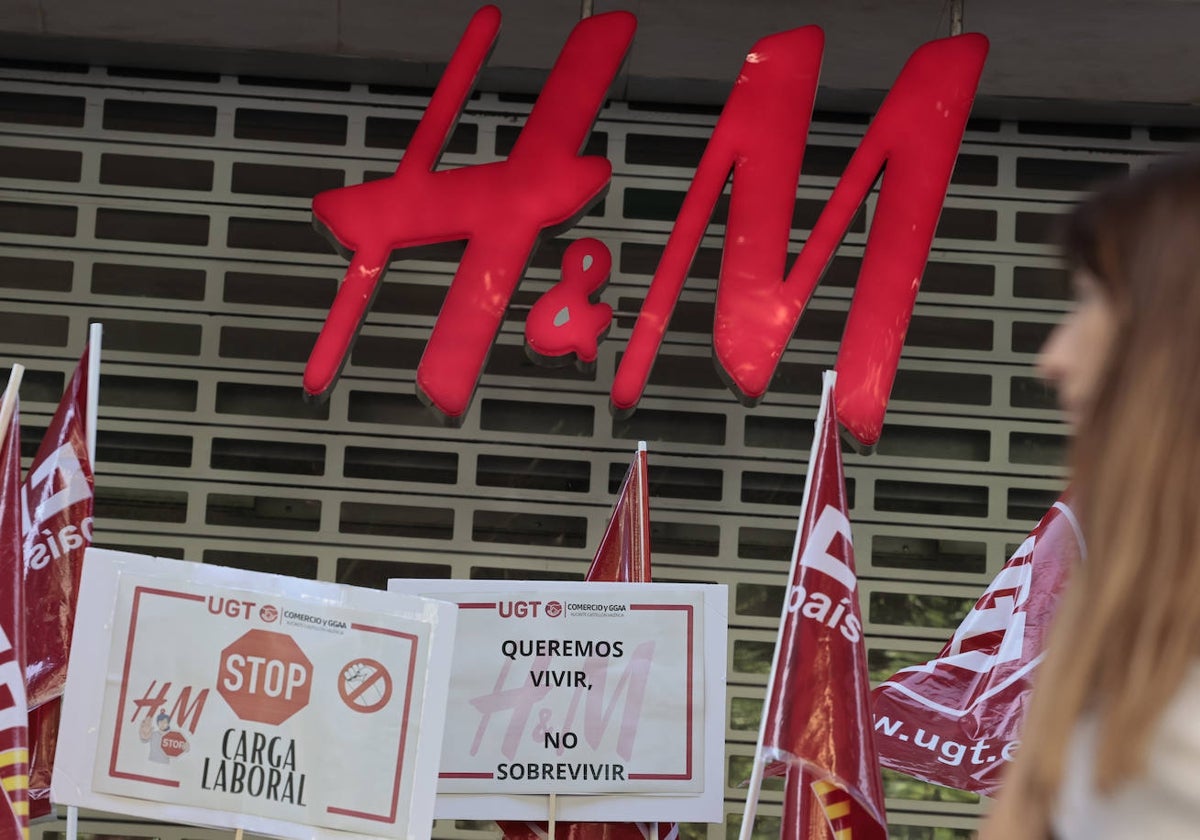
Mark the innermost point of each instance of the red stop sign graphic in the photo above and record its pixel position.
(173, 743)
(265, 677)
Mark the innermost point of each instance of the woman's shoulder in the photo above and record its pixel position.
(1174, 757)
(1163, 803)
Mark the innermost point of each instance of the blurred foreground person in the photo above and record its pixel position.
(1111, 744)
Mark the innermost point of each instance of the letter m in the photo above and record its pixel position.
(761, 136)
(183, 710)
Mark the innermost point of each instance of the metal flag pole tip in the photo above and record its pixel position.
(95, 337)
(9, 400)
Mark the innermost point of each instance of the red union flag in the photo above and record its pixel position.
(14, 736)
(954, 720)
(623, 557)
(43, 740)
(57, 512)
(58, 527)
(817, 721)
(624, 552)
(590, 831)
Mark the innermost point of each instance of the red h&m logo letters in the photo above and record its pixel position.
(501, 208)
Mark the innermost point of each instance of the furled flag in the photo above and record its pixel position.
(623, 557)
(58, 527)
(624, 552)
(816, 723)
(14, 741)
(43, 741)
(57, 512)
(954, 720)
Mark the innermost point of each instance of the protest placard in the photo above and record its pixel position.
(229, 698)
(609, 693)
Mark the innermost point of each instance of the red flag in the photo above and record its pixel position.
(624, 552)
(514, 830)
(811, 808)
(14, 738)
(57, 495)
(816, 721)
(58, 527)
(954, 720)
(43, 740)
(623, 557)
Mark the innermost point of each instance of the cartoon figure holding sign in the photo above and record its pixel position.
(164, 744)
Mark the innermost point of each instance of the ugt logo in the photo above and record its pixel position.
(502, 208)
(56, 484)
(1002, 639)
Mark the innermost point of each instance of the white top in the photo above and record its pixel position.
(1164, 803)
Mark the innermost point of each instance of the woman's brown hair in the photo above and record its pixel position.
(1129, 625)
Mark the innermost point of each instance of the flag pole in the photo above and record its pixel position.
(95, 333)
(759, 767)
(9, 404)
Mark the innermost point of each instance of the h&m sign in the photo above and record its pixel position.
(501, 209)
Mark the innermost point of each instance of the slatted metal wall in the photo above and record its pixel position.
(175, 210)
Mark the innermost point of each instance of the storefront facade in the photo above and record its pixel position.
(175, 209)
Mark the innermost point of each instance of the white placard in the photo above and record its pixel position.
(610, 695)
(228, 698)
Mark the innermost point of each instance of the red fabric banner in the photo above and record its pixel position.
(954, 720)
(58, 503)
(43, 739)
(623, 557)
(58, 527)
(514, 830)
(14, 736)
(624, 552)
(813, 809)
(817, 721)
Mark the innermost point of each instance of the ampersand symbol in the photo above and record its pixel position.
(564, 322)
(542, 727)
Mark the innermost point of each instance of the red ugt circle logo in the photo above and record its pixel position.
(268, 613)
(554, 608)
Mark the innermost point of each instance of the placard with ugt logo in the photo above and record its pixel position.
(577, 689)
(279, 705)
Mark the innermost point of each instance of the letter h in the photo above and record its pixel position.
(499, 208)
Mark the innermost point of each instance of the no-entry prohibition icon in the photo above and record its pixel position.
(365, 685)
